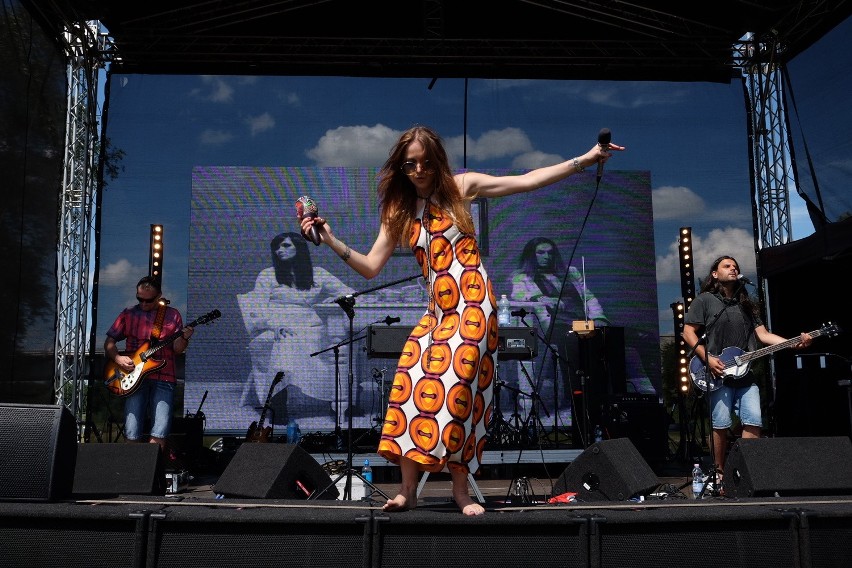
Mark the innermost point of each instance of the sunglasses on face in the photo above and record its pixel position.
(146, 300)
(409, 168)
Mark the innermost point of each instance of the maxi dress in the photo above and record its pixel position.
(439, 406)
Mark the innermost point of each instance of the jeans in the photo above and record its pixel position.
(152, 397)
(745, 401)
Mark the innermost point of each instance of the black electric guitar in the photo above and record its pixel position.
(124, 383)
(737, 361)
(256, 431)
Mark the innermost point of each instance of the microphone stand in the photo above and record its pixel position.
(347, 304)
(555, 355)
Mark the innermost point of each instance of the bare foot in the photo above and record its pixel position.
(400, 503)
(469, 507)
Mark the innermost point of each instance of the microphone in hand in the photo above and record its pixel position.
(604, 138)
(389, 320)
(307, 207)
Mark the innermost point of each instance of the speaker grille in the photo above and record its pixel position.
(38, 445)
(789, 466)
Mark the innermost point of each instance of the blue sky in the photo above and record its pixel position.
(690, 136)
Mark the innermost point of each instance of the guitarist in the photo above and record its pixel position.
(725, 313)
(147, 321)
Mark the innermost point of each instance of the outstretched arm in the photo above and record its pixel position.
(476, 184)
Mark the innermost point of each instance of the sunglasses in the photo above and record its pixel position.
(146, 300)
(409, 168)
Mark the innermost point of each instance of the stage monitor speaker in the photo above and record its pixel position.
(38, 445)
(611, 470)
(274, 471)
(759, 467)
(119, 469)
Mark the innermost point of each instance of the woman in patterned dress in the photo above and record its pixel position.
(440, 403)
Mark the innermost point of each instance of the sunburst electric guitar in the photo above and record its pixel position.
(257, 432)
(124, 383)
(737, 361)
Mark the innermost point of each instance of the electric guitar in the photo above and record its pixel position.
(737, 361)
(124, 383)
(256, 431)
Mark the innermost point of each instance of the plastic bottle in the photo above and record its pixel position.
(294, 434)
(367, 472)
(504, 313)
(598, 433)
(697, 480)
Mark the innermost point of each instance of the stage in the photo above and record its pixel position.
(194, 528)
(195, 524)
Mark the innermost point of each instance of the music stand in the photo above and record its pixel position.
(347, 303)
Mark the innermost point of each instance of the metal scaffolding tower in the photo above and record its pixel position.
(772, 168)
(84, 45)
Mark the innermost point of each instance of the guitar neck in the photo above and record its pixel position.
(758, 353)
(275, 381)
(171, 339)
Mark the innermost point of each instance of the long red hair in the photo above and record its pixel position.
(398, 197)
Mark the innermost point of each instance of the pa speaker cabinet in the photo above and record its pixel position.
(38, 445)
(119, 469)
(611, 470)
(759, 467)
(274, 471)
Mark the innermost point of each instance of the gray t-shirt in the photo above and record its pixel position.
(734, 327)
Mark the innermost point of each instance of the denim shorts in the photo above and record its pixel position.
(745, 401)
(153, 398)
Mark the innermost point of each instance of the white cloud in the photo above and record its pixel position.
(674, 202)
(732, 241)
(215, 89)
(354, 146)
(121, 273)
(260, 123)
(682, 203)
(621, 94)
(535, 159)
(214, 137)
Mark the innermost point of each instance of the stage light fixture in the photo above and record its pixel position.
(155, 255)
(678, 312)
(687, 269)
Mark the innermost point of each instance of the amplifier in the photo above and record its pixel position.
(386, 342)
(516, 343)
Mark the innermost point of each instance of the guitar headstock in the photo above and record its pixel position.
(830, 329)
(206, 318)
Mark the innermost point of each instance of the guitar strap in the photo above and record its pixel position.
(158, 323)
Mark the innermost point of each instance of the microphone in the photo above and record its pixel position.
(307, 207)
(389, 320)
(745, 280)
(604, 138)
(377, 373)
(522, 313)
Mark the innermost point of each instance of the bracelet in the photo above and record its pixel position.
(577, 165)
(346, 254)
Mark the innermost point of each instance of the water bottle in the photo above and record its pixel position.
(367, 472)
(598, 433)
(294, 434)
(697, 480)
(504, 313)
